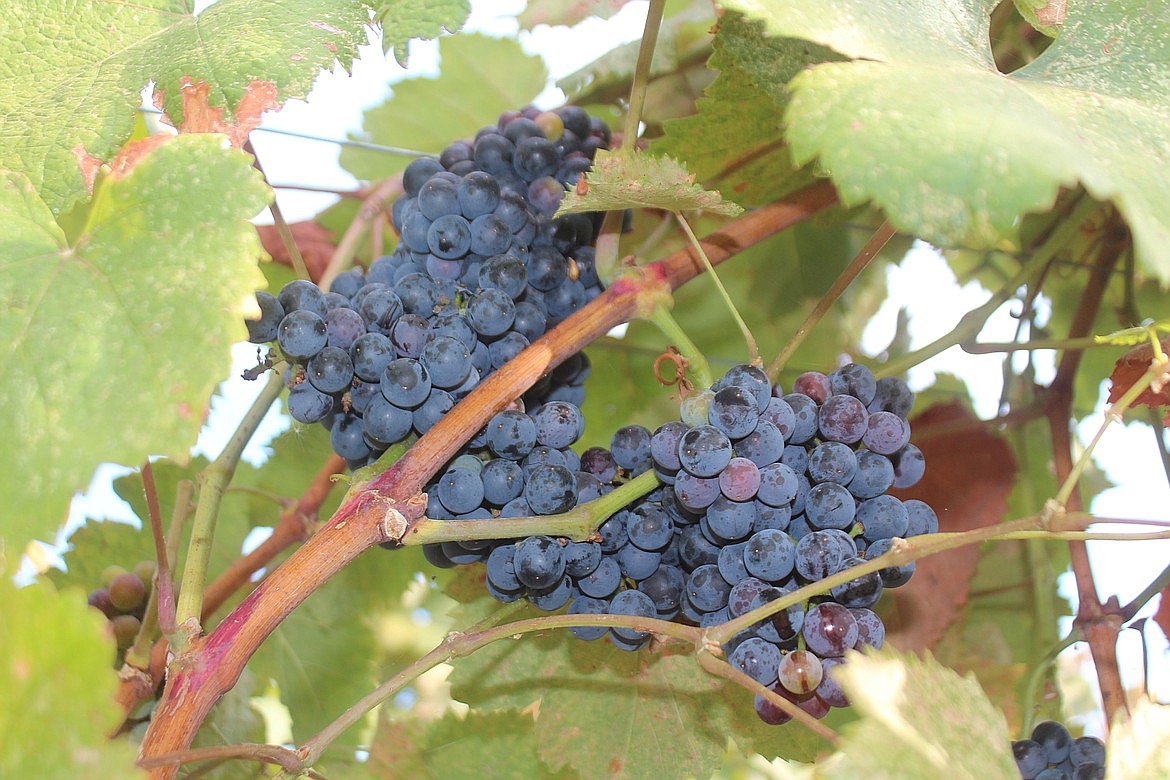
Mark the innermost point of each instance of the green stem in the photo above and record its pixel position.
(282, 228)
(215, 480)
(462, 643)
(1037, 676)
(641, 76)
(973, 321)
(578, 523)
(720, 668)
(753, 349)
(902, 552)
(989, 347)
(874, 245)
(1113, 413)
(696, 360)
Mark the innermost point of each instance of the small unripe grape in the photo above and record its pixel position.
(800, 672)
(125, 628)
(110, 572)
(127, 592)
(145, 571)
(100, 600)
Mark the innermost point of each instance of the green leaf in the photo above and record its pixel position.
(495, 744)
(605, 712)
(323, 655)
(132, 323)
(479, 78)
(76, 77)
(620, 181)
(922, 123)
(919, 721)
(566, 12)
(56, 671)
(745, 102)
(1139, 749)
(403, 20)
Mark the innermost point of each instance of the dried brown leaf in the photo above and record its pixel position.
(199, 116)
(1131, 367)
(315, 242)
(969, 474)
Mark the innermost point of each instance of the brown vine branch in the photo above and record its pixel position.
(292, 527)
(383, 510)
(1100, 628)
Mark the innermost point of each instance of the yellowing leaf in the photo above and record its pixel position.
(619, 181)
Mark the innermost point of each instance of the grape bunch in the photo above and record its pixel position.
(481, 270)
(1053, 754)
(122, 599)
(761, 492)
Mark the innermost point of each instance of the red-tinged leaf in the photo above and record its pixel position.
(1162, 616)
(315, 242)
(969, 474)
(199, 116)
(1131, 367)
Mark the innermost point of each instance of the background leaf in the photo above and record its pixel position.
(890, 125)
(138, 315)
(479, 78)
(402, 20)
(919, 721)
(56, 671)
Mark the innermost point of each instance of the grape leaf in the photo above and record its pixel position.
(494, 744)
(620, 181)
(608, 713)
(403, 20)
(83, 323)
(745, 102)
(479, 78)
(57, 674)
(922, 123)
(567, 12)
(919, 721)
(76, 77)
(315, 243)
(1139, 749)
(1131, 367)
(970, 472)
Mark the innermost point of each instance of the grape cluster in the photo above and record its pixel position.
(761, 492)
(122, 599)
(481, 270)
(1053, 754)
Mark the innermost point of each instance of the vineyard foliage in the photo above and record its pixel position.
(1030, 145)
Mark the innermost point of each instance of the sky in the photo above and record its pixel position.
(334, 109)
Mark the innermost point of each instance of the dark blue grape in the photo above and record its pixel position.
(821, 553)
(599, 462)
(762, 446)
(665, 589)
(882, 517)
(842, 418)
(449, 237)
(750, 378)
(892, 576)
(419, 294)
(417, 172)
(706, 588)
(438, 197)
(832, 461)
(503, 480)
(630, 446)
(650, 527)
(531, 321)
(380, 308)
(491, 312)
(347, 438)
(550, 489)
(302, 334)
(535, 157)
(695, 493)
(501, 569)
(307, 404)
(634, 603)
(505, 348)
(302, 295)
(733, 410)
(267, 326)
(558, 424)
(330, 370)
(704, 450)
(385, 423)
(581, 558)
(636, 563)
(511, 434)
(1054, 738)
(804, 417)
(855, 380)
(603, 580)
(730, 521)
(478, 193)
(539, 562)
(587, 605)
(438, 403)
(862, 591)
(344, 327)
(460, 490)
(447, 360)
(770, 555)
(829, 629)
(490, 235)
(892, 395)
(406, 383)
(829, 505)
(779, 485)
(757, 659)
(909, 466)
(493, 153)
(875, 475)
